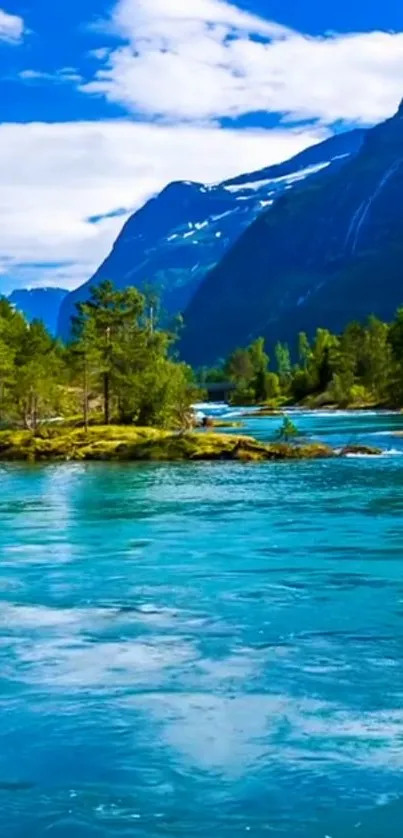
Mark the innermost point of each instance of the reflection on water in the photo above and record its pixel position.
(204, 649)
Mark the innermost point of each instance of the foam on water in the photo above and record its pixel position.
(388, 452)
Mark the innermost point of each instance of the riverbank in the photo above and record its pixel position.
(152, 444)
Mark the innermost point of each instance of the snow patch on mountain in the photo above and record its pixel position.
(287, 179)
(180, 235)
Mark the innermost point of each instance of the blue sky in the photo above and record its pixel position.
(104, 101)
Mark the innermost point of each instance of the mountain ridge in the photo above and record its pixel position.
(39, 304)
(324, 254)
(180, 235)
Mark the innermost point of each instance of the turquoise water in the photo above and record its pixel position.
(205, 650)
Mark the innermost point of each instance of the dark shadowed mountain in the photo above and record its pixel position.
(39, 304)
(324, 254)
(183, 233)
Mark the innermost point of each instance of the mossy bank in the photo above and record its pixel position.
(149, 444)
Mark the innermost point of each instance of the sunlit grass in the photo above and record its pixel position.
(131, 443)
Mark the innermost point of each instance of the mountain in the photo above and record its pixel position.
(39, 304)
(183, 233)
(322, 255)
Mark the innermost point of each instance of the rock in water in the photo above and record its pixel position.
(360, 450)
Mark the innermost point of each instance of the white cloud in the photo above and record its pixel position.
(28, 75)
(66, 74)
(188, 63)
(53, 177)
(200, 60)
(11, 27)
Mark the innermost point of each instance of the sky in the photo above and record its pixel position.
(103, 102)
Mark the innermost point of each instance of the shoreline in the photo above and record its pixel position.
(265, 412)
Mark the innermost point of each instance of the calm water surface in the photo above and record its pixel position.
(205, 650)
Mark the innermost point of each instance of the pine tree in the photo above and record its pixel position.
(120, 344)
(304, 350)
(283, 359)
(38, 375)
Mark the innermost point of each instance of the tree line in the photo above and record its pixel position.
(118, 366)
(363, 365)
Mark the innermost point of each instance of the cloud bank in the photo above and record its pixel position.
(54, 178)
(179, 67)
(202, 60)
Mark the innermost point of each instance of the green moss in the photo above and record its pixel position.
(146, 444)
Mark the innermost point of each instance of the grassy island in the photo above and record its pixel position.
(119, 443)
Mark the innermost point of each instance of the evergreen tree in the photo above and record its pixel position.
(39, 374)
(395, 340)
(249, 369)
(378, 356)
(304, 350)
(288, 431)
(239, 367)
(283, 359)
(120, 345)
(121, 360)
(102, 328)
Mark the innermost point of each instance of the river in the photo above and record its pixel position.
(205, 649)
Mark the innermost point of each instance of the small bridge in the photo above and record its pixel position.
(219, 391)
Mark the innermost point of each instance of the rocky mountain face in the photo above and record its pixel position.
(322, 255)
(178, 237)
(39, 304)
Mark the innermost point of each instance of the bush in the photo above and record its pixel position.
(288, 431)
